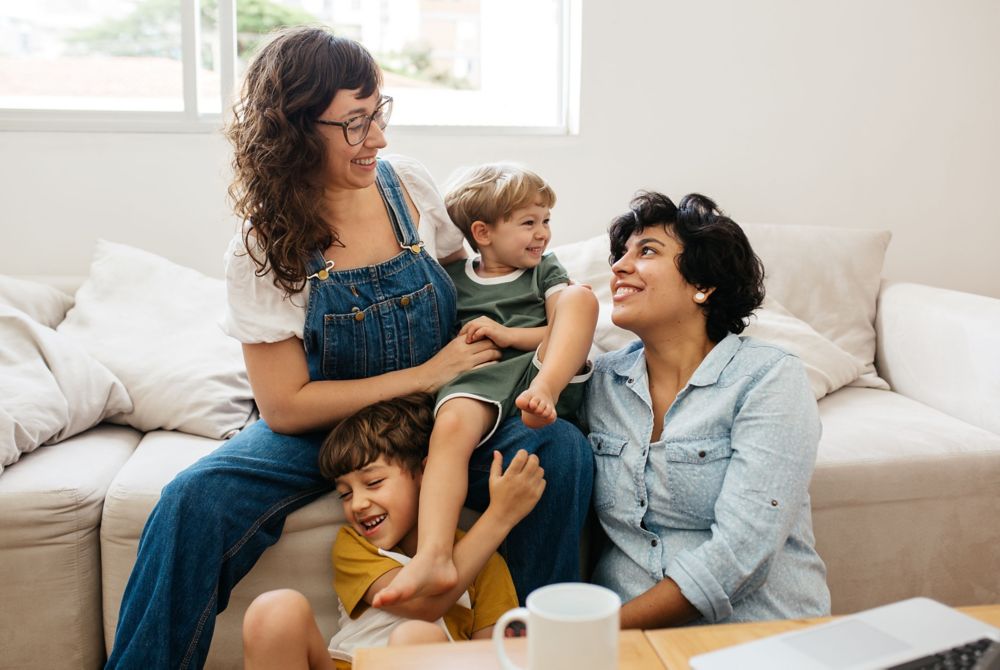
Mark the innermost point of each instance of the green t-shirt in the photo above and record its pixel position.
(516, 300)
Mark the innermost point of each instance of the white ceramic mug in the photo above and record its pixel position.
(569, 626)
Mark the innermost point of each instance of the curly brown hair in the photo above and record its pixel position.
(278, 153)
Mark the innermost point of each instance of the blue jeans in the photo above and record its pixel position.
(215, 519)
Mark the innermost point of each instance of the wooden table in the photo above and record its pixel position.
(669, 648)
(634, 653)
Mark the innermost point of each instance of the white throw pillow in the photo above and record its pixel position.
(828, 366)
(829, 278)
(43, 303)
(155, 324)
(50, 388)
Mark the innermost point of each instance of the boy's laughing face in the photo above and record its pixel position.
(380, 502)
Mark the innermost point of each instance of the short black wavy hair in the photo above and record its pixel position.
(715, 253)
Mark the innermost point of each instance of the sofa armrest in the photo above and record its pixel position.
(941, 348)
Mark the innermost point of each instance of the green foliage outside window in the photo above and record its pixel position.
(153, 28)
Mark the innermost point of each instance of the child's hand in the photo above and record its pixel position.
(514, 493)
(484, 327)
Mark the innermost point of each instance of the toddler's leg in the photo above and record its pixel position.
(415, 631)
(279, 631)
(562, 353)
(458, 427)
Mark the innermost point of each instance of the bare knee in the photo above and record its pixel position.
(461, 417)
(415, 631)
(580, 299)
(276, 615)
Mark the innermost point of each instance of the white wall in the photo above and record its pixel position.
(860, 113)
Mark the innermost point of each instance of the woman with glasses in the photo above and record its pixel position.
(336, 293)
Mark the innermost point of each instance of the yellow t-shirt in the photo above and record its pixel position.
(357, 564)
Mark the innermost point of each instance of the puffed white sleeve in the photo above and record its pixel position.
(441, 237)
(257, 310)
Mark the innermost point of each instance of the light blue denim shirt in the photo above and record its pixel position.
(720, 503)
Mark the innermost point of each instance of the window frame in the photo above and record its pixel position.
(191, 120)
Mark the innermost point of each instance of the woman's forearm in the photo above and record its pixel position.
(318, 405)
(660, 607)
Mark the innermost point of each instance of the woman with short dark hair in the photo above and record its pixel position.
(704, 440)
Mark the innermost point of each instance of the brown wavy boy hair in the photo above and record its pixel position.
(278, 152)
(398, 430)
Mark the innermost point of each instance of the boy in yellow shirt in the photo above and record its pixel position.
(376, 460)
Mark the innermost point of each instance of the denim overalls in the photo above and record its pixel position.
(376, 319)
(216, 518)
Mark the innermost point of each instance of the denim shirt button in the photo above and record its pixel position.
(631, 380)
(642, 503)
(774, 503)
(654, 543)
(701, 454)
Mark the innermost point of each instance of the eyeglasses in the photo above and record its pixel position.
(356, 128)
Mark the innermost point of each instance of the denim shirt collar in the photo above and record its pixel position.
(633, 363)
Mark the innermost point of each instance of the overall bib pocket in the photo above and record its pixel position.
(393, 334)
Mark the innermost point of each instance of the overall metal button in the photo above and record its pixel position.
(359, 316)
(404, 301)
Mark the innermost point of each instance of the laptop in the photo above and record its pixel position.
(876, 638)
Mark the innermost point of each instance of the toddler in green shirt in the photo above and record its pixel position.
(521, 300)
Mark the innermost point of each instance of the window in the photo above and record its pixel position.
(171, 64)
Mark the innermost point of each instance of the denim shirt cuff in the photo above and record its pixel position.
(700, 587)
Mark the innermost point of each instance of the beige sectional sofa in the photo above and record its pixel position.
(906, 494)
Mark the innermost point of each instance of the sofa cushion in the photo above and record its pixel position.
(43, 303)
(50, 387)
(892, 473)
(50, 559)
(300, 560)
(155, 325)
(829, 278)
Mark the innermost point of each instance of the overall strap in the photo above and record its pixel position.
(399, 213)
(319, 267)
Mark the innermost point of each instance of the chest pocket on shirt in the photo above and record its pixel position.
(390, 335)
(610, 476)
(692, 471)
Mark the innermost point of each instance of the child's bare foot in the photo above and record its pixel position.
(425, 575)
(537, 404)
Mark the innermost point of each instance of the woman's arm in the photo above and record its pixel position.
(661, 606)
(290, 403)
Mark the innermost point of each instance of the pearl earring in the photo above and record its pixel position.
(699, 297)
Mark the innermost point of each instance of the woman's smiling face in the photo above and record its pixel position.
(350, 167)
(647, 288)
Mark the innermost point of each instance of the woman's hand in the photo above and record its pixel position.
(514, 492)
(456, 357)
(484, 327)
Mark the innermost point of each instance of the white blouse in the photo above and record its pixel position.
(259, 311)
